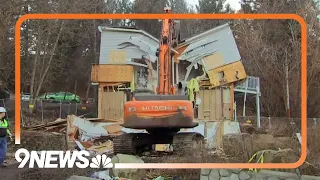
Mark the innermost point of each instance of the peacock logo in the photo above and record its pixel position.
(101, 160)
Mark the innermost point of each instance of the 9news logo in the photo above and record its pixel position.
(60, 159)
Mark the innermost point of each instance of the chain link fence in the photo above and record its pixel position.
(43, 111)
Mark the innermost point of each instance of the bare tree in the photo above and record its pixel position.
(265, 45)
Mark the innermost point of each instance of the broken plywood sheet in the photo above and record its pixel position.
(57, 122)
(226, 74)
(113, 128)
(117, 56)
(89, 129)
(107, 73)
(71, 129)
(164, 147)
(213, 61)
(102, 148)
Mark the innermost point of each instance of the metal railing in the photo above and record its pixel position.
(252, 83)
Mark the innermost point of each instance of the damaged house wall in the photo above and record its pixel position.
(142, 78)
(139, 47)
(127, 40)
(212, 49)
(183, 70)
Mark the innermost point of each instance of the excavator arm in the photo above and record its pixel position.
(165, 84)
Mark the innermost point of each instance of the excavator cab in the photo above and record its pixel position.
(140, 92)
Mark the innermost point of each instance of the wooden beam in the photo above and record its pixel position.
(232, 100)
(227, 74)
(180, 50)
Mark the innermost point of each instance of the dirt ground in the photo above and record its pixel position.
(12, 172)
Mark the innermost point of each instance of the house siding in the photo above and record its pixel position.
(111, 39)
(224, 44)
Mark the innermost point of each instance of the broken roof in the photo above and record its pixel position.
(219, 40)
(194, 49)
(137, 43)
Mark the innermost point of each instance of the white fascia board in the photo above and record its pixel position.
(197, 37)
(103, 28)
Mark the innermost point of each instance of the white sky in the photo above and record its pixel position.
(235, 4)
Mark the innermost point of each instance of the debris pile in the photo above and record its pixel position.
(96, 136)
(59, 125)
(93, 134)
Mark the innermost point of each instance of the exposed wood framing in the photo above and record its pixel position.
(216, 104)
(232, 100)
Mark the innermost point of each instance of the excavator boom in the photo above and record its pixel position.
(165, 85)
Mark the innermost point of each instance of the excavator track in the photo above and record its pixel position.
(184, 142)
(124, 144)
(131, 143)
(135, 143)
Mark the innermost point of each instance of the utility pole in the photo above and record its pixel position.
(287, 84)
(96, 61)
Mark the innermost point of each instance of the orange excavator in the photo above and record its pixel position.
(162, 114)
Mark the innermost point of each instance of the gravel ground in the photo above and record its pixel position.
(13, 173)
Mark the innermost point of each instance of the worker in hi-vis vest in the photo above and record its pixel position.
(4, 133)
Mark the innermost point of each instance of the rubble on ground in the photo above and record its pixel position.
(128, 173)
(93, 134)
(80, 178)
(96, 135)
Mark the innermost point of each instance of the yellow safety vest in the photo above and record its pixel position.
(5, 125)
(193, 86)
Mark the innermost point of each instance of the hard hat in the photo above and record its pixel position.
(248, 121)
(2, 110)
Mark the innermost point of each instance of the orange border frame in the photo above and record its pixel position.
(180, 16)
